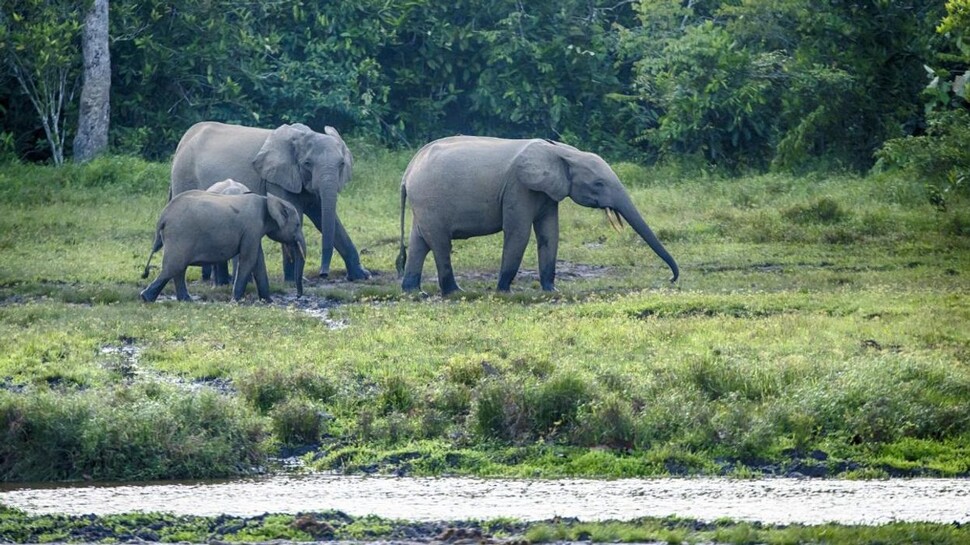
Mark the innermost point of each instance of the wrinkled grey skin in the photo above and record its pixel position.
(199, 227)
(303, 167)
(219, 272)
(467, 186)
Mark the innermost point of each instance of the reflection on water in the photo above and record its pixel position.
(782, 501)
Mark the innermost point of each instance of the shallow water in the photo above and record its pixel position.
(781, 501)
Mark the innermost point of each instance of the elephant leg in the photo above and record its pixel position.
(341, 242)
(150, 294)
(417, 251)
(248, 260)
(261, 278)
(220, 273)
(345, 247)
(546, 227)
(181, 290)
(206, 272)
(441, 248)
(513, 248)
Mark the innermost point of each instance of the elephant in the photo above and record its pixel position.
(228, 187)
(201, 227)
(469, 186)
(292, 162)
(219, 272)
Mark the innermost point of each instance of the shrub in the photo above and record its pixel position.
(557, 401)
(499, 410)
(607, 422)
(132, 433)
(265, 387)
(298, 421)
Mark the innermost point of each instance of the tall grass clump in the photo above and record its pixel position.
(146, 432)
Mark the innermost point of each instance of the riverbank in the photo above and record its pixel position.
(332, 526)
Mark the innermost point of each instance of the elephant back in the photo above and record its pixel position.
(210, 152)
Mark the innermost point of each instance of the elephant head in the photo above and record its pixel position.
(286, 226)
(561, 171)
(300, 160)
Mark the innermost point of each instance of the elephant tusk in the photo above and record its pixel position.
(302, 251)
(615, 222)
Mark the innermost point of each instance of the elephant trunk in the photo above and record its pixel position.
(632, 216)
(328, 228)
(299, 261)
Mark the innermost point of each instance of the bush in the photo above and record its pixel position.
(127, 434)
(940, 158)
(298, 421)
(264, 388)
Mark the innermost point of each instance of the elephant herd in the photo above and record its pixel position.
(231, 185)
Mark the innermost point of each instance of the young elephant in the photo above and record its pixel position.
(219, 272)
(467, 186)
(199, 227)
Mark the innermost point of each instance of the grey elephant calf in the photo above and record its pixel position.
(199, 227)
(219, 272)
(467, 186)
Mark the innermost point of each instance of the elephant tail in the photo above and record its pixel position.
(402, 255)
(155, 247)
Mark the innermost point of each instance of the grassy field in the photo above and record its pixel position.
(821, 326)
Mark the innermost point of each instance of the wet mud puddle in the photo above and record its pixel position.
(778, 501)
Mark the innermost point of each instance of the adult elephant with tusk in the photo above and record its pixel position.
(468, 186)
(304, 168)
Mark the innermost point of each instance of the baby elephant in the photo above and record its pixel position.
(199, 227)
(219, 272)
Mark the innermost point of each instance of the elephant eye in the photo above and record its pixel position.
(598, 183)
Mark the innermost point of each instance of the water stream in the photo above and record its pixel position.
(782, 501)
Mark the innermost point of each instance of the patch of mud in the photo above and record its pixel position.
(316, 307)
(122, 358)
(564, 270)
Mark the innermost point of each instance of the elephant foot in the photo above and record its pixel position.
(146, 297)
(324, 274)
(452, 292)
(360, 274)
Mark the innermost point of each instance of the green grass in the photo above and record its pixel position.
(819, 321)
(333, 525)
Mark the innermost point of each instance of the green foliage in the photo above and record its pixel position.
(21, 527)
(144, 432)
(782, 83)
(775, 340)
(940, 158)
(298, 421)
(39, 44)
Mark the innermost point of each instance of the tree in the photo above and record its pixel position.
(92, 132)
(38, 42)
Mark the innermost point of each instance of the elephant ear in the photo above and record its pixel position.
(279, 210)
(276, 162)
(348, 166)
(540, 167)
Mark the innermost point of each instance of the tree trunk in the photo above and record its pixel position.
(92, 131)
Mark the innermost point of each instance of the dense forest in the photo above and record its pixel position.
(729, 84)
